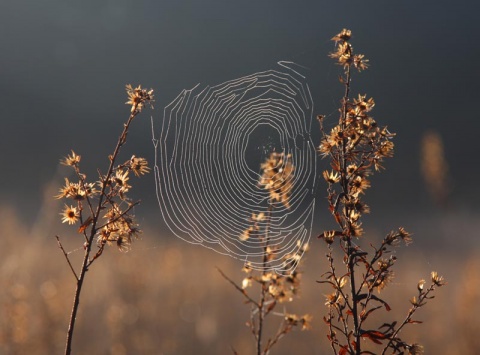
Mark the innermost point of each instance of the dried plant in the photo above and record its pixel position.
(356, 147)
(435, 168)
(275, 287)
(102, 208)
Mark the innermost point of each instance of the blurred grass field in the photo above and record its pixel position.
(166, 297)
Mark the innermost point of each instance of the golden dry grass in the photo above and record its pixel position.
(166, 297)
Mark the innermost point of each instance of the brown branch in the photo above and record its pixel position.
(66, 257)
(241, 290)
(423, 296)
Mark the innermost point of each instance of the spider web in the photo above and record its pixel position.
(208, 152)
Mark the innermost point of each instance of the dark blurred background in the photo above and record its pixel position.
(64, 65)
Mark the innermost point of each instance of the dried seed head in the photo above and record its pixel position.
(277, 177)
(420, 285)
(331, 177)
(70, 214)
(437, 280)
(344, 35)
(138, 98)
(71, 160)
(415, 349)
(139, 166)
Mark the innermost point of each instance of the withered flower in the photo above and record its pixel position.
(70, 214)
(277, 177)
(420, 285)
(359, 184)
(139, 166)
(344, 35)
(325, 148)
(437, 280)
(306, 321)
(333, 299)
(331, 177)
(247, 282)
(356, 229)
(71, 160)
(246, 234)
(329, 236)
(363, 105)
(359, 62)
(138, 97)
(415, 349)
(72, 190)
(121, 179)
(123, 244)
(381, 279)
(406, 237)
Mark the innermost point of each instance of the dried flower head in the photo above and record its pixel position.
(344, 53)
(394, 237)
(344, 36)
(329, 236)
(331, 177)
(333, 299)
(415, 349)
(71, 160)
(381, 279)
(437, 280)
(246, 233)
(70, 214)
(138, 98)
(123, 243)
(277, 177)
(74, 191)
(420, 285)
(120, 179)
(139, 166)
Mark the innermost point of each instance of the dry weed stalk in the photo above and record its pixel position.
(434, 168)
(275, 287)
(355, 146)
(102, 208)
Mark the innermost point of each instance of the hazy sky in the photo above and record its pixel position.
(64, 65)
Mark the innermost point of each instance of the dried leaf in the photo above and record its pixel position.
(387, 307)
(374, 336)
(85, 224)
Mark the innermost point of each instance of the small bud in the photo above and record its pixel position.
(420, 285)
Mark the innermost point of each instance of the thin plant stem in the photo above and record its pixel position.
(261, 312)
(66, 257)
(93, 231)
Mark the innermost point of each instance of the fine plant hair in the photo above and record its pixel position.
(356, 147)
(102, 208)
(275, 286)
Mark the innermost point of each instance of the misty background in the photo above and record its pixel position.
(65, 63)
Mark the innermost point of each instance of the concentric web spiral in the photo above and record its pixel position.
(209, 152)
